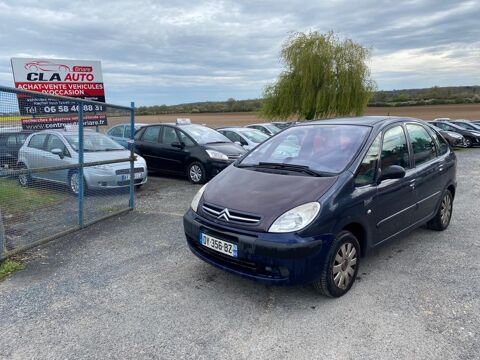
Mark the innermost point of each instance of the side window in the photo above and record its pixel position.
(37, 141)
(12, 140)
(368, 168)
(233, 136)
(117, 131)
(21, 138)
(151, 134)
(185, 139)
(54, 142)
(169, 136)
(127, 132)
(442, 144)
(422, 144)
(395, 148)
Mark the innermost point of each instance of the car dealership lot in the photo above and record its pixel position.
(129, 287)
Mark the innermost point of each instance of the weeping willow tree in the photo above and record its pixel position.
(324, 77)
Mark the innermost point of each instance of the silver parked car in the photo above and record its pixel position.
(245, 137)
(51, 148)
(121, 133)
(267, 128)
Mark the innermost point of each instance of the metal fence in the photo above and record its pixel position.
(59, 172)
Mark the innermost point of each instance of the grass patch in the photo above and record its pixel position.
(15, 199)
(9, 266)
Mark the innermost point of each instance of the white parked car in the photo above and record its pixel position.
(245, 137)
(51, 148)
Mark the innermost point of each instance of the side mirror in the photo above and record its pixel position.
(58, 152)
(391, 172)
(178, 145)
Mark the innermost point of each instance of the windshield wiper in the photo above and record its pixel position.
(216, 142)
(288, 167)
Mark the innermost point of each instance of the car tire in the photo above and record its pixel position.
(196, 173)
(444, 214)
(25, 179)
(468, 142)
(341, 266)
(73, 184)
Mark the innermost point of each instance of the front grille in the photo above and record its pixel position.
(127, 171)
(234, 157)
(230, 216)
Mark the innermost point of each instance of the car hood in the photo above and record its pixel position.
(229, 149)
(262, 194)
(454, 135)
(111, 155)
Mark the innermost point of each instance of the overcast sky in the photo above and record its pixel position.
(170, 52)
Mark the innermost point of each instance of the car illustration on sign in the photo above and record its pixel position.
(44, 65)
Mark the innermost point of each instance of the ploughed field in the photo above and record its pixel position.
(457, 111)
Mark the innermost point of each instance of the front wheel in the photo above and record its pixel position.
(468, 142)
(444, 214)
(196, 173)
(340, 269)
(74, 183)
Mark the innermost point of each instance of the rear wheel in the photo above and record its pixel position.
(341, 267)
(196, 173)
(444, 214)
(24, 179)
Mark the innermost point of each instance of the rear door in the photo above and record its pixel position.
(148, 146)
(394, 205)
(428, 184)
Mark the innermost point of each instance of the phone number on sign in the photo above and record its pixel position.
(61, 109)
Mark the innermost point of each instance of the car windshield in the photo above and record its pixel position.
(254, 135)
(204, 135)
(320, 148)
(94, 142)
(274, 129)
(466, 125)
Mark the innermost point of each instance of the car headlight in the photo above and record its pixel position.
(197, 197)
(296, 218)
(216, 155)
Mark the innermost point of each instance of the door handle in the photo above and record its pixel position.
(412, 184)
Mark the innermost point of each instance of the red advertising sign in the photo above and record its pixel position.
(73, 78)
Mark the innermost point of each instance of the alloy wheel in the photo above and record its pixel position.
(195, 173)
(344, 265)
(74, 183)
(446, 209)
(23, 179)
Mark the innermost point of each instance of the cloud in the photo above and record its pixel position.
(186, 50)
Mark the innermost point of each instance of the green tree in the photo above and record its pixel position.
(324, 76)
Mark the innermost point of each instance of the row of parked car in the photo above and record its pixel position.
(181, 148)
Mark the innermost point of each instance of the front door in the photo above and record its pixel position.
(173, 151)
(394, 205)
(51, 160)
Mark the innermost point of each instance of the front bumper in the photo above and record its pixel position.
(214, 167)
(265, 257)
(97, 179)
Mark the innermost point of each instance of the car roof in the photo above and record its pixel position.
(234, 128)
(360, 120)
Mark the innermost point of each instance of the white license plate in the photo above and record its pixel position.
(219, 245)
(137, 176)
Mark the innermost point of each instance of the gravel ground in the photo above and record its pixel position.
(129, 288)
